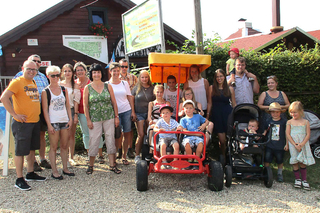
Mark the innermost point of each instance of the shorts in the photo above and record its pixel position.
(167, 141)
(271, 153)
(125, 121)
(26, 137)
(192, 140)
(233, 71)
(142, 116)
(59, 126)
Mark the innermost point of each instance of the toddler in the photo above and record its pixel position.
(230, 69)
(252, 128)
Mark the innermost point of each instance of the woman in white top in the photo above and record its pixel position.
(57, 113)
(125, 103)
(200, 87)
(74, 99)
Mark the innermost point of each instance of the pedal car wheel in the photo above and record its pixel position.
(142, 175)
(268, 177)
(316, 151)
(228, 173)
(215, 182)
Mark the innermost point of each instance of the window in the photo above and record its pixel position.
(97, 14)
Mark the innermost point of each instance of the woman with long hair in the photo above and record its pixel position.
(143, 94)
(74, 99)
(220, 105)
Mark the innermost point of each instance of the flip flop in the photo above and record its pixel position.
(125, 162)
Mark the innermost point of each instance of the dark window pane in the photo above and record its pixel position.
(97, 16)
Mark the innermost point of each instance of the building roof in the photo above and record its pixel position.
(53, 12)
(315, 34)
(260, 41)
(238, 34)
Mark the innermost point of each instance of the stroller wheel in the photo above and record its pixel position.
(316, 151)
(267, 177)
(228, 173)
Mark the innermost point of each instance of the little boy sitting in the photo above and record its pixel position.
(195, 123)
(166, 123)
(252, 128)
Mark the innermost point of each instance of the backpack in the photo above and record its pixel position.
(49, 94)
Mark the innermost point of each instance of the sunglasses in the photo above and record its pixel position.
(54, 76)
(37, 61)
(271, 77)
(124, 66)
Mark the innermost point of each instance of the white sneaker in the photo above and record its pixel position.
(137, 158)
(297, 183)
(305, 185)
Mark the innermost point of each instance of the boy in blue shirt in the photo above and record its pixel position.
(195, 123)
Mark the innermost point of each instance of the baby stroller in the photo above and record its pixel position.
(246, 163)
(314, 120)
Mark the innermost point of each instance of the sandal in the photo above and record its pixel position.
(125, 162)
(115, 169)
(89, 170)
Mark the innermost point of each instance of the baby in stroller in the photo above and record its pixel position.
(252, 128)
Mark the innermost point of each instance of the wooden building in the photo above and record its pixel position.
(43, 34)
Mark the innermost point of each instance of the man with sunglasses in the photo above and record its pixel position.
(244, 88)
(42, 82)
(132, 81)
(26, 123)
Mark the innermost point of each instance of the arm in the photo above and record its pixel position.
(149, 111)
(86, 107)
(133, 113)
(233, 97)
(209, 102)
(230, 79)
(261, 100)
(45, 110)
(185, 85)
(306, 139)
(206, 86)
(286, 101)
(227, 69)
(256, 86)
(181, 111)
(5, 99)
(76, 102)
(115, 106)
(68, 110)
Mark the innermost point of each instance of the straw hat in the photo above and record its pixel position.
(275, 107)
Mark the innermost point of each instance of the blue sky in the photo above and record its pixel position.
(218, 16)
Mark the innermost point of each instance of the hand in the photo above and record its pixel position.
(286, 147)
(202, 127)
(232, 78)
(75, 120)
(21, 118)
(116, 122)
(298, 148)
(51, 129)
(90, 124)
(162, 129)
(133, 117)
(69, 125)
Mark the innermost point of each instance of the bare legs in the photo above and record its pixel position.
(139, 141)
(222, 142)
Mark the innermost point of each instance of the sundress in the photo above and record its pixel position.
(298, 133)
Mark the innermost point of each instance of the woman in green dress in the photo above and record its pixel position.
(101, 111)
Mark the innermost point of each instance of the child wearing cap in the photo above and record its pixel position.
(230, 69)
(195, 123)
(278, 144)
(166, 123)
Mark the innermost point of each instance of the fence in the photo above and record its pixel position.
(4, 82)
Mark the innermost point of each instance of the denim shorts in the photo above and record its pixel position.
(192, 140)
(142, 116)
(271, 153)
(125, 121)
(59, 126)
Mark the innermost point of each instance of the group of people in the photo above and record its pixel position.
(126, 100)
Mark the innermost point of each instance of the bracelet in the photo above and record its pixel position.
(116, 116)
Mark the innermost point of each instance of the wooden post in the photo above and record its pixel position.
(198, 32)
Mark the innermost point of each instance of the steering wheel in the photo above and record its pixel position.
(154, 114)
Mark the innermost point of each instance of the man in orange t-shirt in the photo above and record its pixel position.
(25, 125)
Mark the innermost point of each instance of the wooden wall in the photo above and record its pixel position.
(49, 35)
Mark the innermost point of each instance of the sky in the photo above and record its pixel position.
(218, 16)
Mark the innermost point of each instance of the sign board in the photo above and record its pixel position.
(45, 63)
(93, 46)
(142, 26)
(32, 42)
(4, 138)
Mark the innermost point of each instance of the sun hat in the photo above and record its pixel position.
(236, 50)
(166, 106)
(275, 107)
(188, 102)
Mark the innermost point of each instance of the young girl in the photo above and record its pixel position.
(298, 134)
(188, 94)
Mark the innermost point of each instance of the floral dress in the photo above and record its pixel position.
(298, 133)
(100, 105)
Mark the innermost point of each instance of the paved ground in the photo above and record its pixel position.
(104, 191)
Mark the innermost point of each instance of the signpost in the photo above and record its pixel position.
(143, 27)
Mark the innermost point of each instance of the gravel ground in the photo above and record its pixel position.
(104, 191)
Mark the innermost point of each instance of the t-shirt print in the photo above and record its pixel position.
(275, 132)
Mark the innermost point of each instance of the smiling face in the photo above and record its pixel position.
(220, 78)
(272, 84)
(115, 73)
(29, 69)
(188, 95)
(67, 72)
(144, 78)
(295, 114)
(96, 75)
(240, 67)
(80, 71)
(54, 77)
(188, 109)
(233, 55)
(158, 91)
(171, 83)
(275, 114)
(194, 73)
